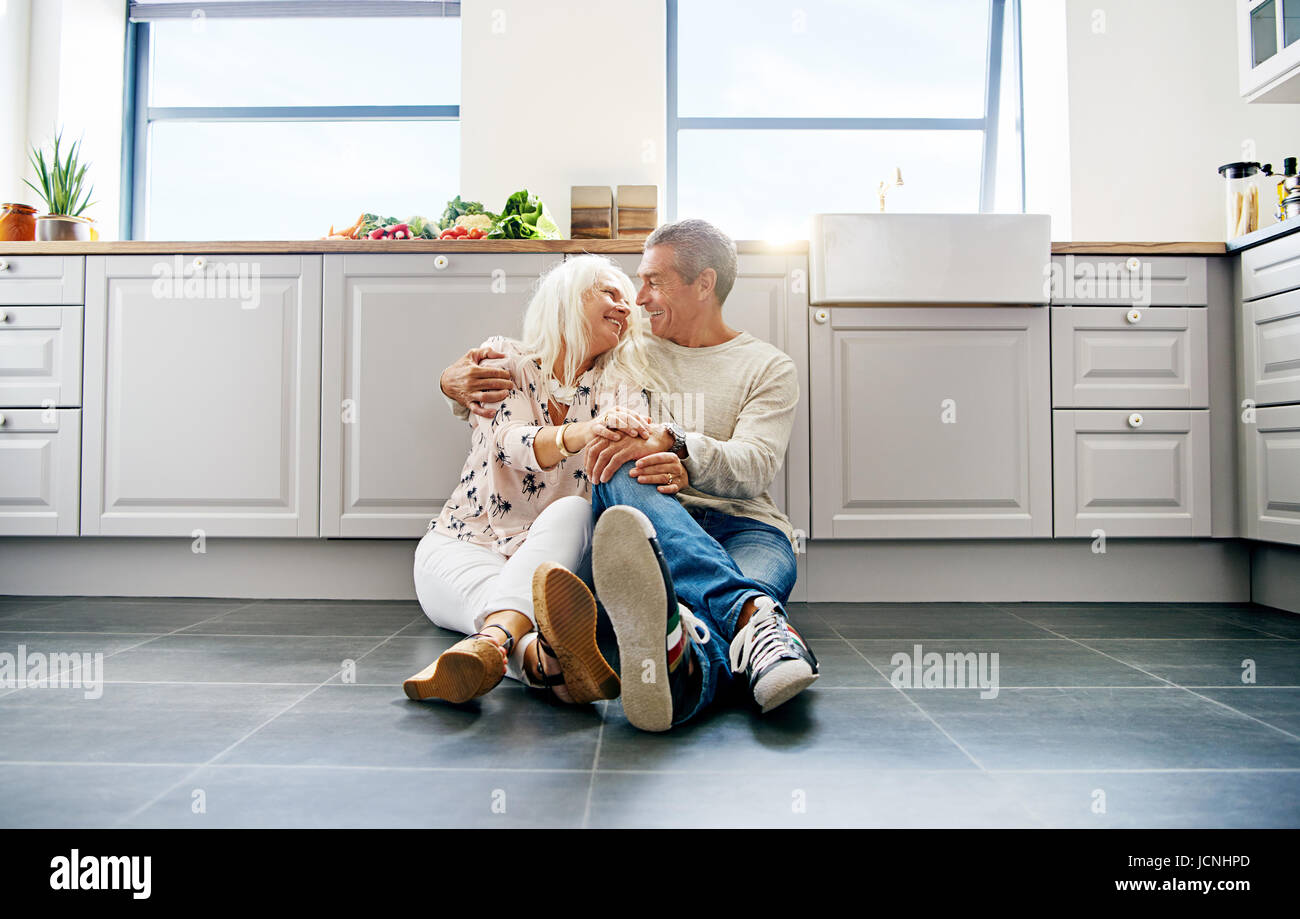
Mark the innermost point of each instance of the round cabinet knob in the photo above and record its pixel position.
(1134, 263)
(199, 263)
(821, 317)
(1135, 420)
(4, 317)
(2, 420)
(1134, 316)
(4, 266)
(440, 262)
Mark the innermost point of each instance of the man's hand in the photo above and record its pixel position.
(662, 469)
(606, 457)
(472, 385)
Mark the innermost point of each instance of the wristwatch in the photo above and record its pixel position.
(679, 439)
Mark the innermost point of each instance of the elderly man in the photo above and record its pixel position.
(689, 550)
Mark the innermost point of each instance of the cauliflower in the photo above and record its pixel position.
(470, 221)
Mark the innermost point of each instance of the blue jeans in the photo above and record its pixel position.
(717, 562)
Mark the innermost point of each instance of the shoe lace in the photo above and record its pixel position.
(762, 640)
(698, 629)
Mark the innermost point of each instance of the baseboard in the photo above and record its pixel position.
(902, 571)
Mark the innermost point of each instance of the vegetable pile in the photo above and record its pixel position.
(523, 217)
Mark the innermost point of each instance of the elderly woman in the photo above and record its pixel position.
(499, 562)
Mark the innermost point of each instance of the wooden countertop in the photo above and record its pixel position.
(608, 246)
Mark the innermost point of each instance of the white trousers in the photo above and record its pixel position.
(459, 584)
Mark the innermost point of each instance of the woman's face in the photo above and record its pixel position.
(606, 312)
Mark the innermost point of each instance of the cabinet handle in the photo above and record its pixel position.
(1134, 316)
(440, 262)
(199, 262)
(1134, 264)
(4, 317)
(2, 421)
(4, 266)
(1135, 420)
(821, 317)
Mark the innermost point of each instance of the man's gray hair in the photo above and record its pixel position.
(696, 245)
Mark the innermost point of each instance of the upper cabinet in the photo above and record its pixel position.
(1268, 50)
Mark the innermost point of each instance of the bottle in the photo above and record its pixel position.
(1287, 185)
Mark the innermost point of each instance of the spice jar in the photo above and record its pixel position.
(1241, 203)
(17, 223)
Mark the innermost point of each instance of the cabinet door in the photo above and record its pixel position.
(930, 422)
(1132, 473)
(40, 356)
(1272, 475)
(40, 455)
(391, 450)
(770, 302)
(1270, 339)
(202, 396)
(1114, 357)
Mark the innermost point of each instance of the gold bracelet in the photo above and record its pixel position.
(559, 442)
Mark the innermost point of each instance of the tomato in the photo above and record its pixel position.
(475, 233)
(448, 233)
(461, 232)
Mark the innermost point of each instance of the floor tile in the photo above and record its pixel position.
(132, 723)
(1112, 729)
(115, 614)
(1160, 800)
(317, 619)
(238, 659)
(1020, 662)
(936, 622)
(341, 725)
(1130, 622)
(78, 796)
(1278, 707)
(249, 796)
(799, 799)
(1209, 663)
(1266, 619)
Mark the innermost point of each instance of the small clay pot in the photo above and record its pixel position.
(17, 223)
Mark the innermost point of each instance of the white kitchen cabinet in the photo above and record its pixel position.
(1271, 480)
(770, 301)
(43, 279)
(391, 450)
(40, 457)
(930, 422)
(202, 396)
(1268, 50)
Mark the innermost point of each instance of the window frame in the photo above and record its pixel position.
(988, 124)
(138, 115)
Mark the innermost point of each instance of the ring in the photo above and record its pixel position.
(670, 478)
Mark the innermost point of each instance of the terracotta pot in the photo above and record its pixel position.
(17, 223)
(51, 227)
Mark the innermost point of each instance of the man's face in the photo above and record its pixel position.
(672, 304)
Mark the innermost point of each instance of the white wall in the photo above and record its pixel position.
(556, 94)
(1154, 111)
(15, 37)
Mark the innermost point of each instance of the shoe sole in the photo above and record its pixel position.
(631, 588)
(456, 676)
(566, 615)
(783, 684)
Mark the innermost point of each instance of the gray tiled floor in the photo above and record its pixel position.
(287, 713)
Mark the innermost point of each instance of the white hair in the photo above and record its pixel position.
(555, 322)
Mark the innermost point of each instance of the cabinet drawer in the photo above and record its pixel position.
(1132, 479)
(1271, 268)
(40, 457)
(40, 356)
(507, 269)
(1271, 348)
(41, 279)
(1129, 280)
(1271, 480)
(1116, 357)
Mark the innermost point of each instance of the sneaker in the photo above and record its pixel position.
(773, 655)
(653, 630)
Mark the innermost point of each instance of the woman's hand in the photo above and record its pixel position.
(662, 469)
(613, 423)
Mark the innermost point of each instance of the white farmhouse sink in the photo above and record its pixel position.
(929, 258)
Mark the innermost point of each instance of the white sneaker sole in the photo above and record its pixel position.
(783, 684)
(631, 588)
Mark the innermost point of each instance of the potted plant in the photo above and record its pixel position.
(61, 188)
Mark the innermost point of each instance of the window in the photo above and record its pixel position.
(777, 112)
(251, 120)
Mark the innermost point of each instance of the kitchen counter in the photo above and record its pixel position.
(1276, 231)
(610, 246)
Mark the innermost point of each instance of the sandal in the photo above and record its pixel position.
(465, 671)
(566, 611)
